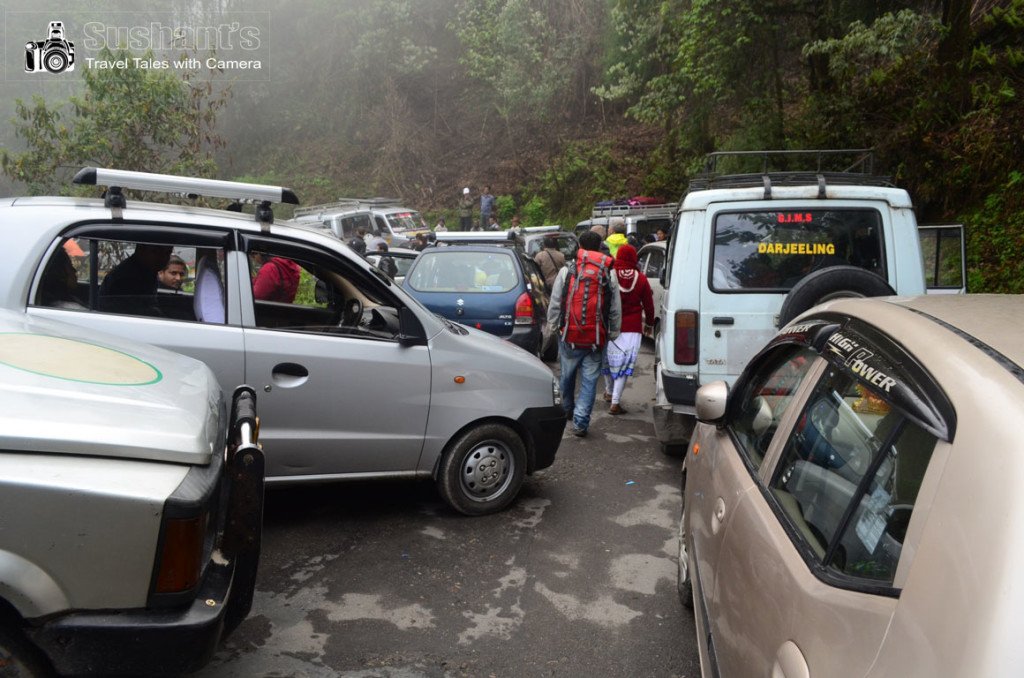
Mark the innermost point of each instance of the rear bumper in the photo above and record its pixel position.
(180, 639)
(544, 427)
(528, 337)
(142, 642)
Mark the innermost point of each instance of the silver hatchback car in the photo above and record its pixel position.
(356, 379)
(853, 506)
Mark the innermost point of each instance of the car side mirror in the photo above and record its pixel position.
(711, 402)
(411, 332)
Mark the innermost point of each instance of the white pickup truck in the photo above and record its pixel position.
(752, 249)
(130, 505)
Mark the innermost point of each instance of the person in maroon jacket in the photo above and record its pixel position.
(276, 280)
(637, 315)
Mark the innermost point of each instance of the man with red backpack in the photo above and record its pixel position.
(586, 311)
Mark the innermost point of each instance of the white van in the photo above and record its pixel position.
(384, 219)
(750, 251)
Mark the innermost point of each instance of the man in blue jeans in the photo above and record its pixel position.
(585, 361)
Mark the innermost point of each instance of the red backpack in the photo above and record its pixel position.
(586, 301)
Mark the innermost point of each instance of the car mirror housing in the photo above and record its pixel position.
(711, 402)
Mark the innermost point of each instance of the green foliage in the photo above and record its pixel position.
(128, 118)
(581, 176)
(995, 239)
(504, 208)
(527, 52)
(535, 212)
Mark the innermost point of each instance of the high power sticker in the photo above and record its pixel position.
(74, 360)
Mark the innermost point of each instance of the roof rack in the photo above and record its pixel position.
(850, 167)
(477, 237)
(656, 209)
(346, 204)
(116, 180)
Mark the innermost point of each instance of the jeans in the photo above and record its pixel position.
(588, 363)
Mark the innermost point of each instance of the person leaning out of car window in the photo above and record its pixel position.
(276, 280)
(173, 275)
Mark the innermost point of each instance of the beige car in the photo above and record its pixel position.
(853, 504)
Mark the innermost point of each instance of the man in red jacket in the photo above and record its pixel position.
(276, 280)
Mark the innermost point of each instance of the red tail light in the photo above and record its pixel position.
(524, 309)
(686, 338)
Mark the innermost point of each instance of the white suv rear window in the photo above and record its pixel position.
(773, 250)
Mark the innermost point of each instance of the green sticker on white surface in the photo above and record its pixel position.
(74, 360)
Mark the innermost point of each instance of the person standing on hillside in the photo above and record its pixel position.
(620, 354)
(440, 228)
(465, 211)
(486, 207)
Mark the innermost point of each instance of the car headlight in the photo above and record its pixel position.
(556, 392)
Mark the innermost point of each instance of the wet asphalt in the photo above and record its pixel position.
(576, 578)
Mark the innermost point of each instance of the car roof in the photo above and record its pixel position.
(938, 327)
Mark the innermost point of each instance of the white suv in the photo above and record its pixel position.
(385, 219)
(748, 252)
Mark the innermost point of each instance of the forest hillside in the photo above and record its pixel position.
(559, 103)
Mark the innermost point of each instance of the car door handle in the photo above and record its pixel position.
(288, 375)
(790, 662)
(723, 320)
(718, 517)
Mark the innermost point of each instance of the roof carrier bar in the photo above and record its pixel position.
(115, 180)
(858, 170)
(346, 204)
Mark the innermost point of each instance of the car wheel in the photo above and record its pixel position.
(482, 470)
(683, 584)
(834, 282)
(19, 659)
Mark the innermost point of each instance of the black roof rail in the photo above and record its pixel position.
(849, 167)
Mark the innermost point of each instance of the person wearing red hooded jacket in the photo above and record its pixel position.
(276, 280)
(637, 313)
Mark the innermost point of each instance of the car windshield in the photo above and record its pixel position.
(450, 270)
(774, 250)
(401, 222)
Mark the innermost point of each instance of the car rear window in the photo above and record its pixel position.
(773, 250)
(449, 270)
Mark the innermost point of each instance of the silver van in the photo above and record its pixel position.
(356, 379)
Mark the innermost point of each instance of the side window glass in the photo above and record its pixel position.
(849, 476)
(65, 279)
(306, 292)
(764, 399)
(134, 278)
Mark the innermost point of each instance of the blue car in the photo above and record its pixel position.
(492, 287)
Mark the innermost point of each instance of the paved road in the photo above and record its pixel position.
(577, 578)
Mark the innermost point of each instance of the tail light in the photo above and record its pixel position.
(686, 338)
(181, 554)
(524, 310)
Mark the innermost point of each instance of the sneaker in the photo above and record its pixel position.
(579, 432)
(617, 409)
